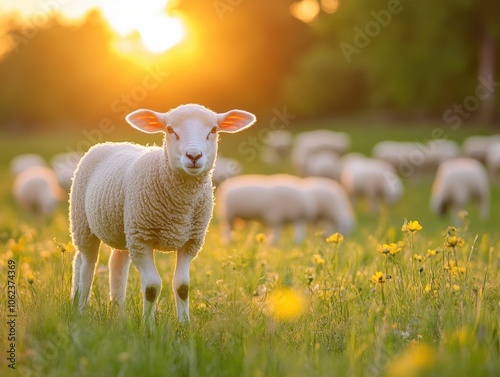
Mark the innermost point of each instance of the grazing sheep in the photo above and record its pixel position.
(64, 165)
(138, 199)
(323, 163)
(279, 199)
(36, 189)
(25, 161)
(310, 142)
(373, 179)
(457, 182)
(333, 209)
(277, 148)
(476, 146)
(493, 161)
(275, 200)
(225, 168)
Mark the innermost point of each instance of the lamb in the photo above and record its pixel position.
(493, 161)
(279, 199)
(36, 189)
(277, 147)
(225, 168)
(476, 146)
(323, 163)
(139, 199)
(274, 200)
(457, 182)
(310, 142)
(376, 180)
(64, 165)
(25, 161)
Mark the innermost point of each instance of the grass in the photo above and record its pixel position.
(260, 310)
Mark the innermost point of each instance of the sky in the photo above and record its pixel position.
(158, 30)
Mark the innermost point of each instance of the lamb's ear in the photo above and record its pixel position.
(235, 121)
(147, 121)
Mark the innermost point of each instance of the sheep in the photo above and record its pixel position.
(273, 199)
(64, 165)
(310, 142)
(323, 163)
(332, 206)
(476, 146)
(25, 161)
(139, 199)
(36, 189)
(280, 199)
(493, 161)
(457, 182)
(376, 180)
(277, 147)
(225, 168)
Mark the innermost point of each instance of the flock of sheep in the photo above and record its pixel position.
(139, 199)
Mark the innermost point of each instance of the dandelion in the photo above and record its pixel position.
(318, 259)
(336, 238)
(431, 252)
(286, 304)
(30, 278)
(456, 287)
(411, 226)
(461, 270)
(378, 277)
(417, 257)
(391, 248)
(260, 237)
(428, 287)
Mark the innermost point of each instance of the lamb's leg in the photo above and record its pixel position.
(180, 283)
(83, 270)
(300, 231)
(143, 260)
(119, 263)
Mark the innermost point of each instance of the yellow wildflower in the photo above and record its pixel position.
(417, 257)
(461, 270)
(318, 259)
(335, 238)
(391, 248)
(431, 252)
(411, 226)
(456, 287)
(428, 287)
(260, 237)
(378, 277)
(286, 303)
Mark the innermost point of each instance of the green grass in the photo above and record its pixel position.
(346, 326)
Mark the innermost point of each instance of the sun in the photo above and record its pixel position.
(157, 30)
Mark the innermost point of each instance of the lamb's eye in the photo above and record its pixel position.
(170, 130)
(212, 131)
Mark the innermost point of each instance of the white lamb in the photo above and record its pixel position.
(25, 161)
(458, 182)
(373, 179)
(323, 163)
(36, 189)
(333, 210)
(225, 168)
(138, 199)
(476, 146)
(273, 199)
(310, 142)
(277, 147)
(279, 199)
(493, 161)
(64, 165)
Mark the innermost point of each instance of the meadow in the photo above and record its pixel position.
(379, 302)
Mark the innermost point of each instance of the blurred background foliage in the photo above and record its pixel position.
(405, 60)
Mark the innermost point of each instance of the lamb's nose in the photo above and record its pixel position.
(193, 158)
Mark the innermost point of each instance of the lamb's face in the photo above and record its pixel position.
(191, 140)
(191, 133)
